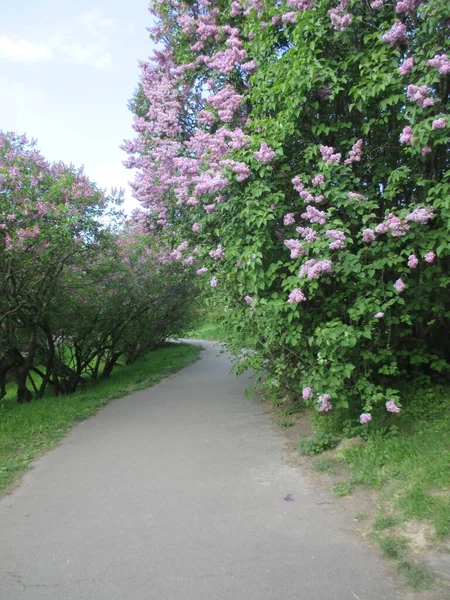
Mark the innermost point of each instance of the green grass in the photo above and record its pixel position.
(28, 430)
(208, 331)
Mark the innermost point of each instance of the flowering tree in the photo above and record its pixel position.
(301, 148)
(76, 294)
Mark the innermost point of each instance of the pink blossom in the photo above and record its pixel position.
(365, 418)
(339, 18)
(368, 236)
(196, 227)
(338, 238)
(407, 6)
(379, 315)
(313, 215)
(413, 261)
(313, 268)
(201, 271)
(420, 215)
(416, 93)
(298, 185)
(289, 17)
(439, 123)
(426, 150)
(218, 253)
(324, 403)
(329, 156)
(250, 67)
(407, 66)
(440, 62)
(307, 393)
(295, 247)
(354, 196)
(399, 286)
(296, 296)
(264, 154)
(318, 180)
(355, 153)
(214, 281)
(396, 35)
(248, 299)
(289, 219)
(210, 208)
(392, 407)
(429, 257)
(308, 234)
(406, 136)
(377, 4)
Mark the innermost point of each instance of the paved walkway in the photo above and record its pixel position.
(179, 492)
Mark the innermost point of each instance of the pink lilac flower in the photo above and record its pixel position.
(264, 154)
(324, 403)
(248, 299)
(396, 35)
(426, 150)
(438, 123)
(210, 208)
(413, 261)
(355, 153)
(440, 62)
(295, 247)
(399, 286)
(406, 136)
(307, 393)
(318, 180)
(368, 236)
(338, 238)
(289, 17)
(289, 219)
(407, 6)
(196, 227)
(397, 226)
(429, 257)
(201, 271)
(339, 18)
(329, 156)
(392, 407)
(377, 4)
(218, 253)
(354, 196)
(313, 268)
(308, 234)
(298, 185)
(379, 315)
(365, 418)
(420, 215)
(407, 66)
(417, 93)
(313, 215)
(214, 281)
(296, 296)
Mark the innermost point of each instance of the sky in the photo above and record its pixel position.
(67, 71)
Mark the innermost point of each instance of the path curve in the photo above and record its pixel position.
(181, 491)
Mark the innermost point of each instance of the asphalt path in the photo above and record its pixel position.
(181, 491)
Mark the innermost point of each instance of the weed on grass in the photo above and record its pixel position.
(415, 575)
(329, 465)
(343, 488)
(392, 546)
(28, 430)
(382, 522)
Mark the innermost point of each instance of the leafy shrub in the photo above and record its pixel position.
(318, 443)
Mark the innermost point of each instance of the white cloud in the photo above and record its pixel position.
(92, 55)
(94, 24)
(23, 51)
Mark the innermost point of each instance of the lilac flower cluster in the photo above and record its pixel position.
(406, 136)
(288, 219)
(396, 35)
(355, 153)
(313, 268)
(307, 393)
(440, 62)
(368, 236)
(295, 247)
(420, 215)
(399, 286)
(413, 261)
(313, 215)
(365, 418)
(439, 123)
(264, 154)
(324, 403)
(296, 296)
(338, 238)
(397, 226)
(417, 93)
(340, 19)
(392, 407)
(407, 66)
(218, 253)
(329, 156)
(308, 234)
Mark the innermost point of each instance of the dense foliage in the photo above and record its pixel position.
(79, 288)
(302, 148)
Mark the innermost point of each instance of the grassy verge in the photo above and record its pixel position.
(409, 466)
(28, 430)
(210, 327)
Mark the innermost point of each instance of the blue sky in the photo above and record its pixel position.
(67, 70)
